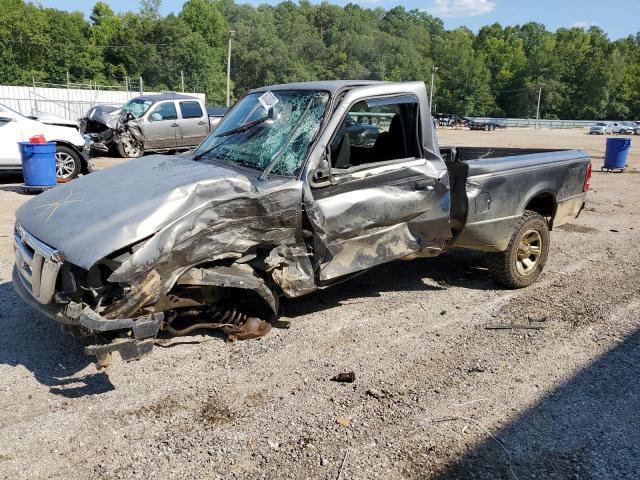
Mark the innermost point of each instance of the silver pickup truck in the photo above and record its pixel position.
(278, 202)
(152, 123)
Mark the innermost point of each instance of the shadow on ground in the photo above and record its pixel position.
(588, 428)
(457, 268)
(35, 342)
(10, 180)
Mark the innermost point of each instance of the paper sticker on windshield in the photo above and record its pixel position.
(268, 100)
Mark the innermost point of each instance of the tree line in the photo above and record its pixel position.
(496, 72)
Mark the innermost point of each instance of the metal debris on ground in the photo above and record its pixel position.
(514, 327)
(345, 377)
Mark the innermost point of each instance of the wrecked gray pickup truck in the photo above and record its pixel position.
(277, 202)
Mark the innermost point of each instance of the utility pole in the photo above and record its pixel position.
(434, 69)
(182, 80)
(538, 109)
(141, 86)
(231, 35)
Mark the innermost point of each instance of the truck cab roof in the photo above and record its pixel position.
(166, 96)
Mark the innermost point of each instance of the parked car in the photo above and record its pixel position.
(72, 150)
(622, 129)
(152, 123)
(485, 125)
(450, 120)
(361, 134)
(601, 128)
(276, 202)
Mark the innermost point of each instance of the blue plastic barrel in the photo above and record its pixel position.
(38, 164)
(617, 152)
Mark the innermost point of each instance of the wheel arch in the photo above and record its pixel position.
(544, 203)
(83, 161)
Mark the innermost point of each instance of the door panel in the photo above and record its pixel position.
(161, 125)
(10, 135)
(380, 214)
(194, 124)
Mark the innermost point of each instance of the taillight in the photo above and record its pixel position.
(587, 179)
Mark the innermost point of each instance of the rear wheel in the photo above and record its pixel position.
(68, 163)
(523, 261)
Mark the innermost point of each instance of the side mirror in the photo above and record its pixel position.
(5, 118)
(322, 173)
(156, 117)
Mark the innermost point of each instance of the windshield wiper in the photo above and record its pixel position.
(230, 134)
(245, 127)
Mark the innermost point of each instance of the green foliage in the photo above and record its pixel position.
(496, 72)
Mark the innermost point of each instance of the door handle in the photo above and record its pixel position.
(175, 125)
(202, 122)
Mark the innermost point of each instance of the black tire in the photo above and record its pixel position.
(126, 151)
(507, 268)
(68, 163)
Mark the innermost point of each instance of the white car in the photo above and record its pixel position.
(601, 129)
(622, 129)
(72, 150)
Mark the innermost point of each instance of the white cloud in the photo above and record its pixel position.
(461, 8)
(583, 24)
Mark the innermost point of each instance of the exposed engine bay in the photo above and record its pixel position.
(108, 127)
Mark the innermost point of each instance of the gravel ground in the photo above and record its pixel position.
(437, 395)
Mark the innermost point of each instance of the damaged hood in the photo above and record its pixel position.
(95, 215)
(105, 114)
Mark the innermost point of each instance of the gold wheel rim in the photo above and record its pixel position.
(529, 252)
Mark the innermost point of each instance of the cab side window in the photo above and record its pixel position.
(377, 130)
(190, 110)
(164, 111)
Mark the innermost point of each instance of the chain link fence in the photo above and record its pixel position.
(70, 101)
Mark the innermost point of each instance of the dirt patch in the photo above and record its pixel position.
(163, 408)
(215, 412)
(573, 228)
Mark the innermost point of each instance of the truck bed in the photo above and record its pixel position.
(492, 187)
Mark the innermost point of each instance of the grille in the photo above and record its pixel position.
(38, 265)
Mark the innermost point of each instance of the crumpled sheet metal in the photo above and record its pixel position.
(158, 192)
(235, 276)
(218, 228)
(291, 268)
(360, 226)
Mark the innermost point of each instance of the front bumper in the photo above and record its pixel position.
(143, 330)
(85, 152)
(35, 278)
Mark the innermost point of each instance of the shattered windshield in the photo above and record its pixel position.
(268, 127)
(137, 107)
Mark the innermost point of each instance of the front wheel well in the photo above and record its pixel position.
(71, 146)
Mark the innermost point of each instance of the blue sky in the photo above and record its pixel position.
(618, 18)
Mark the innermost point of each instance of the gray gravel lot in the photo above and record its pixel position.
(437, 395)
